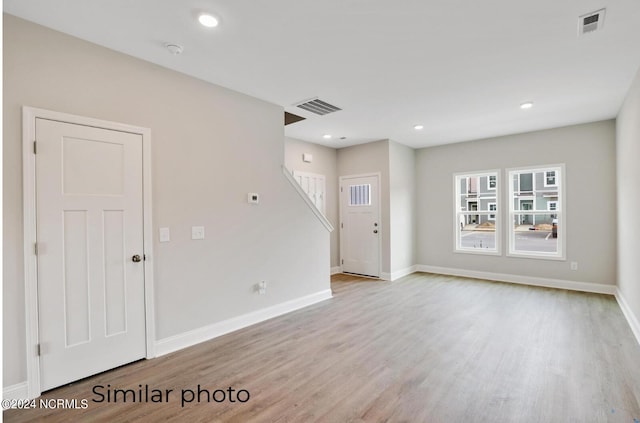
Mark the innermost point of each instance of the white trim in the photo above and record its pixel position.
(560, 211)
(16, 392)
(29, 115)
(385, 276)
(634, 323)
(321, 217)
(335, 270)
(460, 215)
(196, 336)
(522, 280)
(341, 211)
(402, 273)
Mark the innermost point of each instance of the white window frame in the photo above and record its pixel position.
(459, 213)
(555, 179)
(560, 211)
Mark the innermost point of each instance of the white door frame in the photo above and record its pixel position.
(377, 175)
(29, 116)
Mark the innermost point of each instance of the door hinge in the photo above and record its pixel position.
(35, 148)
(35, 248)
(341, 225)
(342, 261)
(38, 349)
(340, 189)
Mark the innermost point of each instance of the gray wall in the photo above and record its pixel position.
(371, 158)
(210, 147)
(628, 177)
(589, 154)
(402, 206)
(325, 162)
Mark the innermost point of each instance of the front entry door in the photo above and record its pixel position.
(360, 227)
(90, 250)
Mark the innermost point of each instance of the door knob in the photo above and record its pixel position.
(136, 258)
(375, 231)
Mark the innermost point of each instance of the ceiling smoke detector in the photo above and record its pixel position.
(174, 49)
(591, 22)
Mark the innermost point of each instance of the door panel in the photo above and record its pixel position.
(89, 225)
(360, 229)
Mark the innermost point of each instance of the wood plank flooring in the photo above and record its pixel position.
(426, 348)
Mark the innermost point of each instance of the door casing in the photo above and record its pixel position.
(29, 116)
(341, 180)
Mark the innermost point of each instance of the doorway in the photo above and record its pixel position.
(87, 218)
(360, 229)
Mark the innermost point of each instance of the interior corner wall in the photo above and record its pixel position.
(628, 179)
(325, 162)
(588, 151)
(402, 207)
(371, 158)
(210, 147)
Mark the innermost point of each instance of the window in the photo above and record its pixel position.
(493, 181)
(536, 218)
(360, 195)
(492, 207)
(476, 213)
(550, 178)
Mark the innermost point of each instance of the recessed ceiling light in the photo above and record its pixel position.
(526, 105)
(208, 20)
(418, 127)
(327, 136)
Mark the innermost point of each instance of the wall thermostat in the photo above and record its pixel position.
(307, 158)
(253, 198)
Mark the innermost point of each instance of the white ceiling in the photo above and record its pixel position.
(460, 68)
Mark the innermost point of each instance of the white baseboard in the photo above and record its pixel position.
(628, 313)
(16, 392)
(402, 273)
(523, 280)
(336, 270)
(196, 336)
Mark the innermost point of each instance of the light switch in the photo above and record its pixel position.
(165, 235)
(197, 232)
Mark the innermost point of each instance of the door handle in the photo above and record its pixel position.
(136, 258)
(375, 231)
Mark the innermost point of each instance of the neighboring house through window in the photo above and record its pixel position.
(536, 212)
(476, 213)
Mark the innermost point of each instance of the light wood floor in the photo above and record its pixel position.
(427, 348)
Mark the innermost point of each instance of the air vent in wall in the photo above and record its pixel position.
(318, 107)
(591, 22)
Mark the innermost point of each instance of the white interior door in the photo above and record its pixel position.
(89, 228)
(360, 225)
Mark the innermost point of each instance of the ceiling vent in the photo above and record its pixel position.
(318, 107)
(591, 22)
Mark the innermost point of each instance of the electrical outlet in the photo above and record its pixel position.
(574, 265)
(262, 287)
